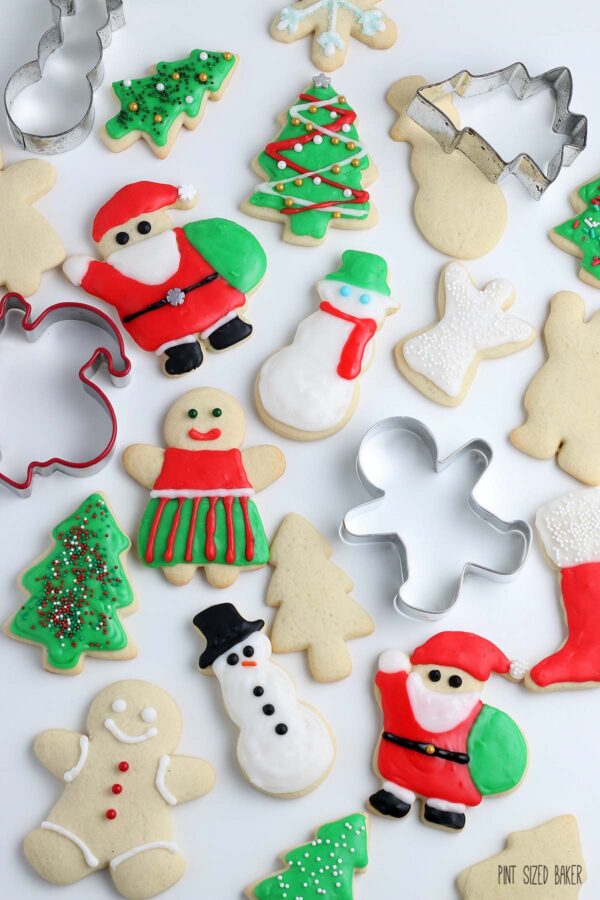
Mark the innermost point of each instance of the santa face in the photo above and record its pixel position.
(441, 697)
(356, 301)
(137, 715)
(135, 230)
(205, 419)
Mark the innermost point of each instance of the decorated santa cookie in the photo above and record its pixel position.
(176, 290)
(439, 741)
(201, 512)
(121, 779)
(569, 532)
(333, 23)
(580, 235)
(156, 108)
(442, 360)
(310, 389)
(77, 592)
(285, 748)
(316, 170)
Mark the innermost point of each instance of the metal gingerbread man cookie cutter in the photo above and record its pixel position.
(478, 447)
(117, 364)
(31, 72)
(424, 111)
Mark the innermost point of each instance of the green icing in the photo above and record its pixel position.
(497, 751)
(312, 158)
(76, 589)
(172, 100)
(324, 868)
(230, 249)
(363, 270)
(584, 228)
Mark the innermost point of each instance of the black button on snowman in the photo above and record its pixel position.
(261, 699)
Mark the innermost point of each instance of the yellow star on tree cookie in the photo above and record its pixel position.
(333, 22)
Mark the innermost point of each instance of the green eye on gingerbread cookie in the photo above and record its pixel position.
(193, 413)
(217, 412)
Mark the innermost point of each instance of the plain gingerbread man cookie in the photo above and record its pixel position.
(121, 779)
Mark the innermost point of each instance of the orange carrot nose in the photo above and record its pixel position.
(248, 662)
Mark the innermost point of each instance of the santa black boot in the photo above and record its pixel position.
(233, 332)
(387, 803)
(183, 358)
(444, 818)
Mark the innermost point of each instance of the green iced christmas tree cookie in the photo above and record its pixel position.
(581, 234)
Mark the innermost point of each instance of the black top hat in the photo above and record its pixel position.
(223, 627)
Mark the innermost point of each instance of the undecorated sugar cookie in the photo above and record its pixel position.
(121, 779)
(442, 360)
(77, 591)
(457, 210)
(546, 863)
(176, 290)
(322, 868)
(310, 389)
(156, 108)
(333, 23)
(316, 170)
(563, 400)
(201, 513)
(285, 748)
(315, 610)
(581, 234)
(439, 741)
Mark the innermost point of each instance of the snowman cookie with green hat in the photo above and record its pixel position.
(310, 389)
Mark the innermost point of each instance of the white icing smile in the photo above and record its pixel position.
(116, 732)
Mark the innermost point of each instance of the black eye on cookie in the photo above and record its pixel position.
(435, 675)
(233, 659)
(248, 651)
(144, 227)
(122, 237)
(455, 681)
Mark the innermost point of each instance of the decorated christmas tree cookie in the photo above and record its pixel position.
(322, 868)
(581, 234)
(174, 95)
(77, 591)
(316, 170)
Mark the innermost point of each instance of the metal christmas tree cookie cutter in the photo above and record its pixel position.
(31, 72)
(115, 359)
(424, 111)
(477, 447)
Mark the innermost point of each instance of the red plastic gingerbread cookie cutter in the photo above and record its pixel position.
(118, 367)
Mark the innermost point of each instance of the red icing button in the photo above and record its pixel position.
(111, 814)
(117, 788)
(123, 766)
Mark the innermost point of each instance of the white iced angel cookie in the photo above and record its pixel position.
(333, 23)
(121, 780)
(285, 748)
(441, 360)
(309, 390)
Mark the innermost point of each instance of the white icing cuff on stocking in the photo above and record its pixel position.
(446, 806)
(207, 333)
(394, 661)
(190, 339)
(75, 268)
(155, 845)
(569, 528)
(401, 793)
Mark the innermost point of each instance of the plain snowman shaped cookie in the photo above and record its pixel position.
(120, 781)
(201, 512)
(285, 748)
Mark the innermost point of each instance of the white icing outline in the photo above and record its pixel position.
(92, 861)
(188, 339)
(371, 21)
(189, 492)
(84, 746)
(116, 732)
(141, 848)
(163, 764)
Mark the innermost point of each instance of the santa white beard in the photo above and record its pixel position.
(436, 711)
(151, 261)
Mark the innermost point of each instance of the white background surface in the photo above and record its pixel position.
(234, 835)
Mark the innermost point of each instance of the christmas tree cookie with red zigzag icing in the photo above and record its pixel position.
(316, 170)
(580, 235)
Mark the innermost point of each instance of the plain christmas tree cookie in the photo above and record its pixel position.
(333, 23)
(315, 611)
(580, 235)
(77, 592)
(316, 171)
(285, 747)
(173, 96)
(121, 780)
(441, 360)
(457, 210)
(310, 389)
(543, 863)
(563, 400)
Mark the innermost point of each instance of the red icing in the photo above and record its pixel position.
(173, 532)
(211, 435)
(131, 201)
(189, 547)
(153, 530)
(248, 529)
(230, 552)
(462, 650)
(202, 470)
(201, 309)
(427, 776)
(209, 547)
(353, 351)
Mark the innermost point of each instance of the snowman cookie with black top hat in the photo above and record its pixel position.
(285, 748)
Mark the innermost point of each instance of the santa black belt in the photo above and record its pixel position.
(174, 297)
(427, 749)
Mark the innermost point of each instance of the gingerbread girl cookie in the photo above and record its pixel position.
(201, 512)
(121, 779)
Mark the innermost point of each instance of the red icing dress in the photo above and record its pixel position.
(428, 776)
(201, 512)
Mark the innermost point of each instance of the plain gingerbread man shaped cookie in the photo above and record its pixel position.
(120, 781)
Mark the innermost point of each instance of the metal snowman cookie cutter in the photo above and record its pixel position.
(424, 111)
(476, 446)
(31, 72)
(117, 364)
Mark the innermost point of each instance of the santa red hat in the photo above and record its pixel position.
(137, 199)
(462, 650)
